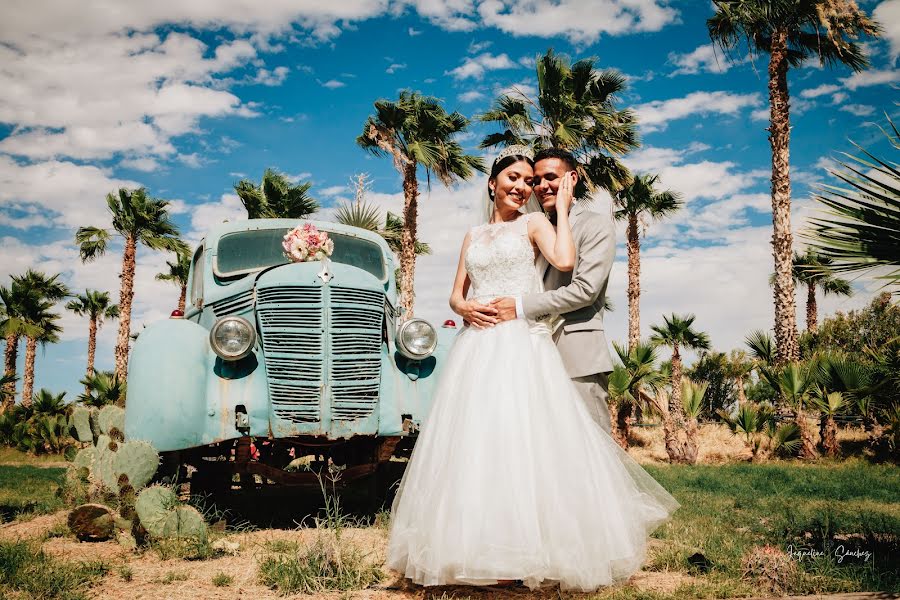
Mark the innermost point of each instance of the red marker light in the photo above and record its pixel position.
(450, 323)
(177, 314)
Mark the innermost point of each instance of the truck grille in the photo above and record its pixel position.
(317, 339)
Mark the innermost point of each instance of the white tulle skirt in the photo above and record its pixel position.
(511, 478)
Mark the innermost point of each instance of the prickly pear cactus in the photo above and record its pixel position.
(80, 424)
(112, 421)
(137, 461)
(92, 522)
(102, 471)
(94, 417)
(771, 568)
(162, 516)
(83, 461)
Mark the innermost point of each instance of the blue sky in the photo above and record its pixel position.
(187, 98)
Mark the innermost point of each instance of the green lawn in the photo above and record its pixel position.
(822, 509)
(26, 490)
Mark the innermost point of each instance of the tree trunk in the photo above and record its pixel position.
(634, 281)
(812, 312)
(28, 378)
(787, 349)
(828, 433)
(675, 448)
(623, 423)
(9, 367)
(125, 298)
(692, 445)
(742, 393)
(182, 299)
(92, 345)
(807, 447)
(408, 240)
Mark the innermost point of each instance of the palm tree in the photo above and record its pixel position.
(790, 32)
(628, 384)
(42, 293)
(678, 334)
(95, 305)
(813, 270)
(739, 367)
(859, 230)
(762, 348)
(692, 394)
(416, 131)
(829, 404)
(139, 219)
(575, 109)
(178, 274)
(792, 383)
(276, 197)
(13, 327)
(102, 388)
(640, 202)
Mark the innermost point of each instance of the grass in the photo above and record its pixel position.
(814, 512)
(222, 580)
(11, 456)
(26, 490)
(27, 570)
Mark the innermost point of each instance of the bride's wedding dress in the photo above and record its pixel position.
(510, 477)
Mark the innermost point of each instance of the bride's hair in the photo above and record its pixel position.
(504, 162)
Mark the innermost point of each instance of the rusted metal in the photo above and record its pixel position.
(282, 477)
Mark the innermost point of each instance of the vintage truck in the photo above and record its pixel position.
(278, 364)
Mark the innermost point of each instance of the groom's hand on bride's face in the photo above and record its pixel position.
(506, 308)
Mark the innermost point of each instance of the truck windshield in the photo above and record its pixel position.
(247, 251)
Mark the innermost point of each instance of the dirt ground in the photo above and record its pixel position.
(156, 579)
(153, 578)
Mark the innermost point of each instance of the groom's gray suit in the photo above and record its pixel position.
(578, 297)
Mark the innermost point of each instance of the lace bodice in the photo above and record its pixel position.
(500, 260)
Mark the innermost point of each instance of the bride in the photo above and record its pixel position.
(510, 478)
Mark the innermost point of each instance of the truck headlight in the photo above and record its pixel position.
(416, 339)
(232, 338)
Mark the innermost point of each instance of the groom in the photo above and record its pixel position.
(577, 296)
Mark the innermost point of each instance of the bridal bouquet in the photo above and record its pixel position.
(305, 243)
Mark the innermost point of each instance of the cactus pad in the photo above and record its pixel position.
(152, 506)
(138, 461)
(112, 417)
(92, 522)
(84, 458)
(161, 515)
(94, 418)
(102, 471)
(184, 522)
(80, 424)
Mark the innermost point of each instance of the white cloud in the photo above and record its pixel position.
(476, 47)
(476, 66)
(839, 97)
(826, 88)
(331, 84)
(860, 110)
(870, 78)
(100, 96)
(272, 78)
(146, 164)
(333, 190)
(71, 195)
(888, 14)
(204, 216)
(414, 32)
(394, 67)
(704, 59)
(470, 96)
(580, 21)
(655, 115)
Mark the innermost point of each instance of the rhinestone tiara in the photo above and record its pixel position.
(515, 150)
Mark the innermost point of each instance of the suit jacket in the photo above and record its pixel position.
(578, 296)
